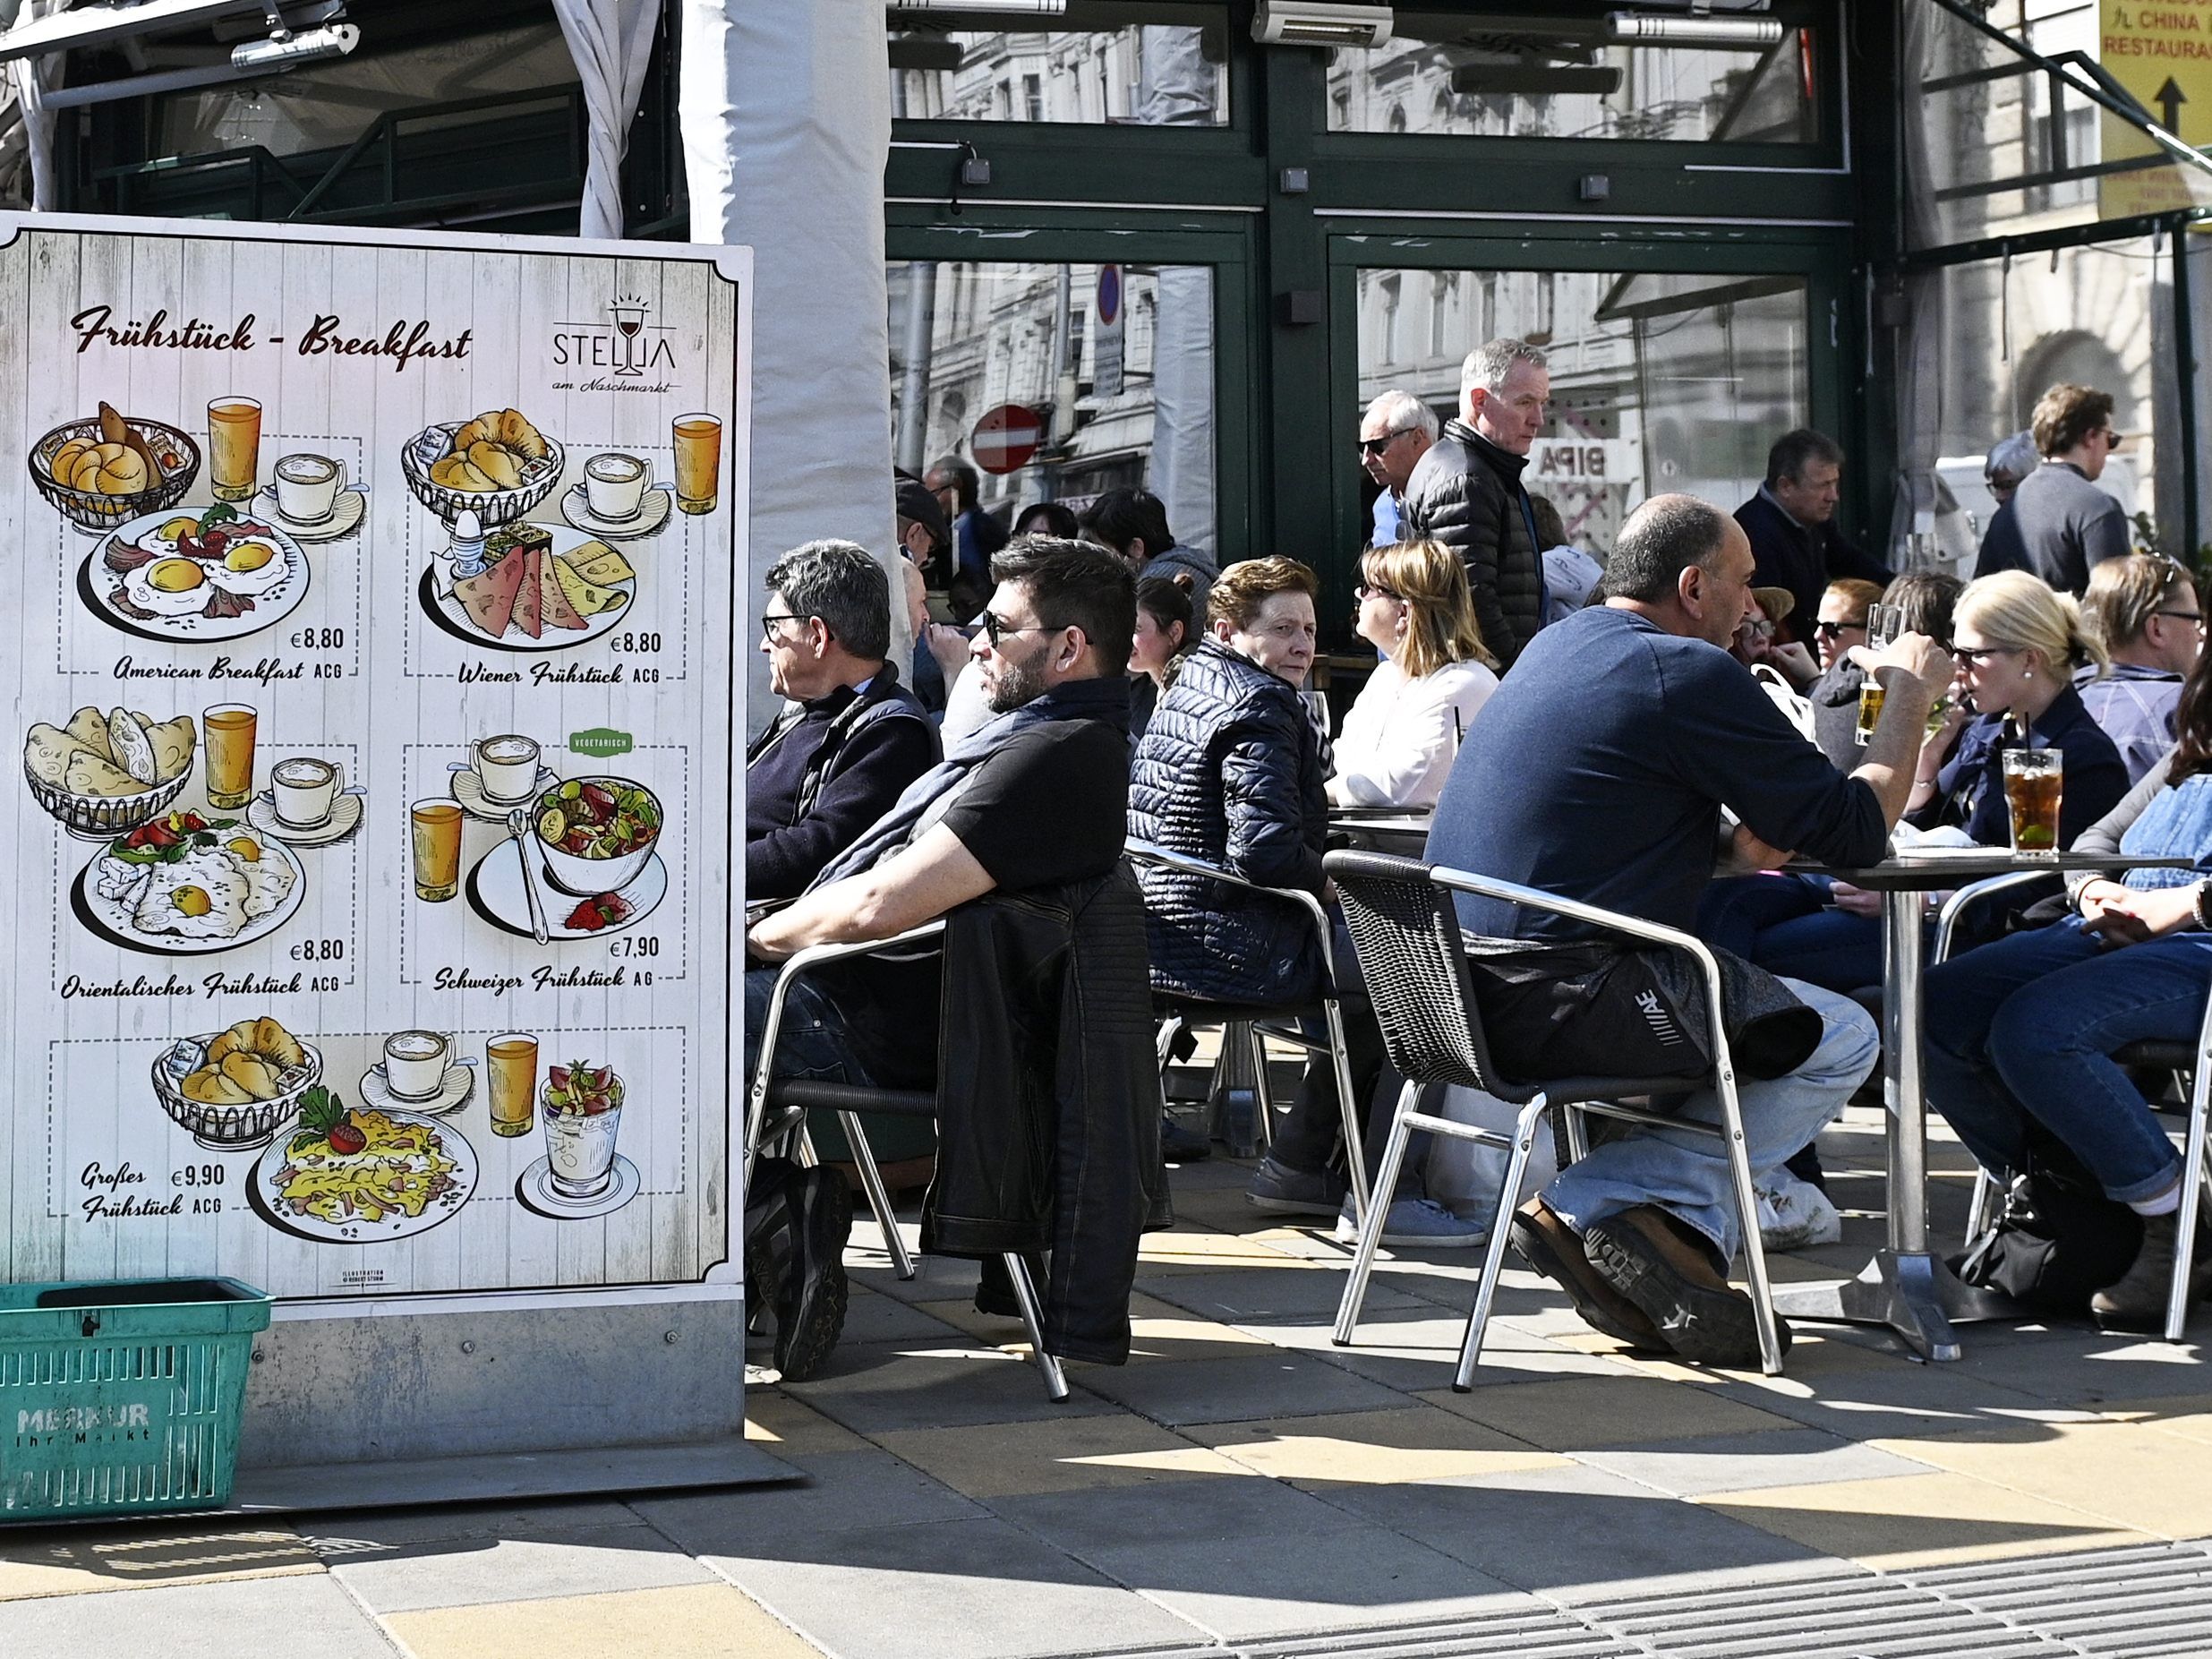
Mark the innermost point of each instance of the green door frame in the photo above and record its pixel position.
(1224, 242)
(1822, 257)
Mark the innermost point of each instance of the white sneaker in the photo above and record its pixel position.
(1793, 1213)
(1416, 1224)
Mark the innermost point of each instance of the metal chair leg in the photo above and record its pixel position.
(1494, 1253)
(1577, 1125)
(1748, 1212)
(879, 1198)
(1263, 1093)
(1033, 1321)
(1354, 1118)
(2192, 1186)
(1371, 1222)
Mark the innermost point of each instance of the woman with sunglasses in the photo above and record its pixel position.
(2021, 1032)
(1403, 731)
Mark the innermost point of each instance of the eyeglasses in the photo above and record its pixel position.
(1833, 630)
(1975, 657)
(768, 621)
(1368, 590)
(996, 628)
(1376, 445)
(2183, 616)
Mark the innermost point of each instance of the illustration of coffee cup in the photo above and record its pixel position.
(507, 767)
(415, 1065)
(304, 789)
(615, 486)
(307, 486)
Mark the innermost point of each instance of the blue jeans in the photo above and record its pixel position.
(2025, 1028)
(1685, 1174)
(815, 1043)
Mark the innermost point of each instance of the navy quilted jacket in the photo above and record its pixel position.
(1228, 772)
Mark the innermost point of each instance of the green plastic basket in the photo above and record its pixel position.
(123, 1398)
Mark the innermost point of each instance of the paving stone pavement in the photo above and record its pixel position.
(1241, 1487)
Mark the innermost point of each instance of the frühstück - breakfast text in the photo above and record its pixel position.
(404, 342)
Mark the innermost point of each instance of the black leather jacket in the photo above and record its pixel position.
(1048, 1089)
(1466, 494)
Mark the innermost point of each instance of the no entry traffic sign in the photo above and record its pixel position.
(1005, 438)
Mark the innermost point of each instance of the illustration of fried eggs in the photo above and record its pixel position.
(211, 893)
(168, 588)
(252, 565)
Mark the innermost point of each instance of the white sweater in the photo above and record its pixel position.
(1401, 735)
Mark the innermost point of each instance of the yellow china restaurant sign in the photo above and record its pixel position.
(2161, 53)
(372, 841)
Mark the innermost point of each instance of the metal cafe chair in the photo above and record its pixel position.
(1260, 1022)
(1414, 955)
(2189, 1063)
(777, 1109)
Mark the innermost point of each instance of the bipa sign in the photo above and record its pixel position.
(1592, 462)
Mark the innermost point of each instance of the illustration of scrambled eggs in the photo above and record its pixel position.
(399, 1168)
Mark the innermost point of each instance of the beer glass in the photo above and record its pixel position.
(234, 447)
(1882, 624)
(512, 1061)
(436, 825)
(698, 461)
(228, 729)
(2034, 781)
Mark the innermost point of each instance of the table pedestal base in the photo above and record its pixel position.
(1914, 1293)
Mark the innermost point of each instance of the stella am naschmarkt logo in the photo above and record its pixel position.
(626, 344)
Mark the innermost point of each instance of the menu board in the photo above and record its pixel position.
(369, 634)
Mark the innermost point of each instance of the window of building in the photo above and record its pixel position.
(1658, 383)
(1440, 289)
(1119, 405)
(1534, 76)
(1390, 287)
(1170, 70)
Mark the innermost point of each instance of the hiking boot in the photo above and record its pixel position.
(1667, 1270)
(1282, 1190)
(808, 1251)
(1416, 1224)
(2137, 1300)
(1547, 1245)
(1179, 1145)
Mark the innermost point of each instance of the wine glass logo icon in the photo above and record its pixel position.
(629, 322)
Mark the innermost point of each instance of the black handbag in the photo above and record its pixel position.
(2059, 1240)
(1599, 1010)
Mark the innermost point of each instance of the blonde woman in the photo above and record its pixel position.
(1402, 732)
(2019, 646)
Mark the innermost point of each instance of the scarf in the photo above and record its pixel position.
(930, 796)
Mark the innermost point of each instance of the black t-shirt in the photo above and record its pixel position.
(1050, 807)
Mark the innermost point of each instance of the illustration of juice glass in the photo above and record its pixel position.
(234, 447)
(228, 730)
(437, 835)
(698, 461)
(512, 1061)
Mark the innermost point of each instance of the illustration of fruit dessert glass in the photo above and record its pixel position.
(436, 833)
(234, 448)
(698, 461)
(583, 1107)
(227, 730)
(512, 1060)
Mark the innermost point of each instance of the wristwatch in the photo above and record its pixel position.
(2197, 904)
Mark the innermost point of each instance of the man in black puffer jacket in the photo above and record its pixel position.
(1467, 491)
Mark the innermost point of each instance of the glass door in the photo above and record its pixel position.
(1663, 378)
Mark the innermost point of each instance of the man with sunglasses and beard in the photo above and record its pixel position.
(1036, 798)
